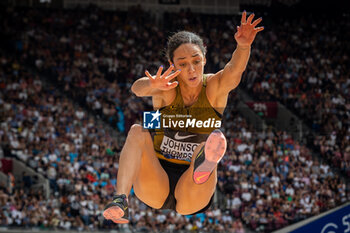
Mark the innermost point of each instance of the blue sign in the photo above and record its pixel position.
(151, 120)
(335, 222)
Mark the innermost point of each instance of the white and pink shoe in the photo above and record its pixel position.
(209, 156)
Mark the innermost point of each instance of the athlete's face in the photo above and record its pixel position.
(190, 60)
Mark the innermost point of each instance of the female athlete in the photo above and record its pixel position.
(174, 167)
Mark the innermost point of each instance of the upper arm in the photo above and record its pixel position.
(218, 90)
(233, 70)
(229, 80)
(223, 81)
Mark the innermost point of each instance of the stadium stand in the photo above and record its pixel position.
(91, 57)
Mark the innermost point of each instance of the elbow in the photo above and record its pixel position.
(137, 92)
(134, 90)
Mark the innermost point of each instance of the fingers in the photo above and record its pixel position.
(148, 74)
(257, 21)
(172, 85)
(239, 31)
(249, 21)
(159, 72)
(258, 29)
(166, 75)
(244, 16)
(250, 18)
(173, 75)
(167, 72)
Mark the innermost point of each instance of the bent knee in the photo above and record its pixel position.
(189, 205)
(190, 208)
(149, 196)
(137, 133)
(135, 128)
(184, 210)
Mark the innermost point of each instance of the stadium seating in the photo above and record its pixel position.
(92, 57)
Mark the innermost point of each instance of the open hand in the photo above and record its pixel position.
(162, 81)
(246, 33)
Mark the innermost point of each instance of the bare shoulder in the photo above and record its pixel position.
(212, 79)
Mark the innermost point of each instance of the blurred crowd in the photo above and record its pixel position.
(272, 181)
(92, 57)
(302, 62)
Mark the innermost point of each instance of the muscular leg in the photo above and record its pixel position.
(192, 197)
(139, 166)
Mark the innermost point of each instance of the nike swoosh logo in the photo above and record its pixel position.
(178, 137)
(200, 177)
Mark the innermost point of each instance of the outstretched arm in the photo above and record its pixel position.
(230, 77)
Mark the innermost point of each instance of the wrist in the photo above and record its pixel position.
(243, 47)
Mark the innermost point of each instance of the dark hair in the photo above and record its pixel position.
(183, 37)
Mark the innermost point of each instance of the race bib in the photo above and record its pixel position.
(180, 145)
